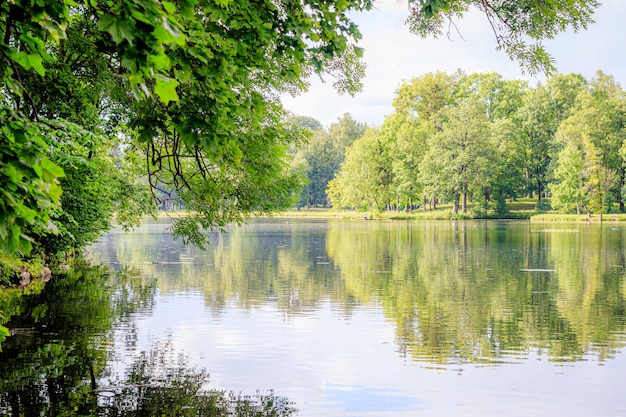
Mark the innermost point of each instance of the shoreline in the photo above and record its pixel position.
(447, 215)
(439, 214)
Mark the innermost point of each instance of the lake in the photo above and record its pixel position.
(351, 317)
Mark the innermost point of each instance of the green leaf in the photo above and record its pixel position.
(4, 333)
(52, 168)
(35, 44)
(187, 8)
(16, 231)
(118, 29)
(12, 173)
(165, 88)
(24, 245)
(20, 58)
(26, 213)
(169, 7)
(36, 62)
(38, 170)
(137, 15)
(182, 75)
(14, 86)
(160, 61)
(105, 22)
(55, 192)
(163, 35)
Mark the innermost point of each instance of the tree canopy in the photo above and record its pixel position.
(189, 87)
(320, 157)
(479, 137)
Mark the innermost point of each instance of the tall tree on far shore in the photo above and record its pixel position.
(459, 157)
(543, 110)
(365, 178)
(593, 134)
(321, 156)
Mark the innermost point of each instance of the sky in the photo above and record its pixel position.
(393, 54)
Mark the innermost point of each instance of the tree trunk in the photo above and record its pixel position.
(14, 401)
(464, 202)
(539, 190)
(586, 209)
(455, 206)
(621, 197)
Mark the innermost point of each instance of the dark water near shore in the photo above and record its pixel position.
(345, 318)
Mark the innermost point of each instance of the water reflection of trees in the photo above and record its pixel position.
(59, 357)
(269, 261)
(284, 263)
(458, 293)
(159, 381)
(58, 346)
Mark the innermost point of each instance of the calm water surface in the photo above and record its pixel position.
(377, 318)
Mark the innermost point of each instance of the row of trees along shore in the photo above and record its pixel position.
(460, 138)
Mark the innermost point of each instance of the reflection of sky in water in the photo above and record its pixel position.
(333, 363)
(359, 399)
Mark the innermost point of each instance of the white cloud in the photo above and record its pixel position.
(393, 55)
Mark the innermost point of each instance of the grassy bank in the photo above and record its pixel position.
(11, 266)
(521, 209)
(575, 218)
(439, 214)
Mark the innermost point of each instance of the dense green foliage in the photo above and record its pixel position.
(29, 182)
(366, 168)
(320, 157)
(456, 138)
(108, 100)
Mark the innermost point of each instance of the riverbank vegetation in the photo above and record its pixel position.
(480, 143)
(523, 209)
